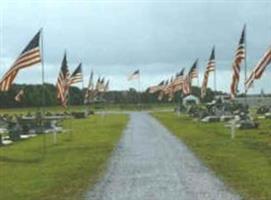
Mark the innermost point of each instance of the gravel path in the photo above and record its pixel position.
(151, 164)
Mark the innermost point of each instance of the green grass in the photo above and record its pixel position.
(68, 168)
(95, 107)
(243, 163)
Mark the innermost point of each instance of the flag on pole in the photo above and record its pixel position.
(101, 85)
(259, 69)
(106, 87)
(156, 88)
(163, 87)
(77, 75)
(187, 85)
(178, 82)
(63, 82)
(31, 55)
(240, 55)
(134, 76)
(210, 68)
(98, 84)
(19, 96)
(193, 73)
(90, 88)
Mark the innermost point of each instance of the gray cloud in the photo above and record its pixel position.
(116, 37)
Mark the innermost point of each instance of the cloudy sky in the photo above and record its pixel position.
(114, 38)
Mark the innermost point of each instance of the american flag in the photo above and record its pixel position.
(187, 85)
(163, 87)
(135, 75)
(106, 87)
(90, 89)
(98, 84)
(193, 73)
(258, 70)
(101, 85)
(63, 83)
(29, 56)
(178, 82)
(210, 68)
(19, 96)
(77, 75)
(155, 88)
(240, 55)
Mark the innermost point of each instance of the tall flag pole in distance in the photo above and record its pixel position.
(192, 74)
(30, 56)
(259, 69)
(63, 82)
(210, 68)
(136, 76)
(90, 89)
(240, 55)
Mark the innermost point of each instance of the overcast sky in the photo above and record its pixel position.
(114, 38)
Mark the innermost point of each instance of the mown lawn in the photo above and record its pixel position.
(243, 163)
(66, 169)
(94, 107)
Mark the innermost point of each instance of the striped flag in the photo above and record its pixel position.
(155, 88)
(101, 85)
(19, 96)
(31, 55)
(240, 55)
(210, 68)
(134, 76)
(178, 82)
(106, 87)
(193, 73)
(163, 87)
(63, 82)
(187, 85)
(258, 70)
(90, 89)
(77, 75)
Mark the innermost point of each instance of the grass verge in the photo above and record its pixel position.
(243, 163)
(68, 168)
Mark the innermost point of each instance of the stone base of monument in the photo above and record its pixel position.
(247, 124)
(226, 118)
(211, 119)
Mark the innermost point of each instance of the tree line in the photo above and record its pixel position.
(34, 95)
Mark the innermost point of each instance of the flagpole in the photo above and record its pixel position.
(215, 80)
(214, 73)
(43, 91)
(139, 99)
(245, 62)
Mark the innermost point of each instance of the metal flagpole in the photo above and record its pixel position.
(139, 98)
(245, 62)
(43, 92)
(215, 81)
(214, 73)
